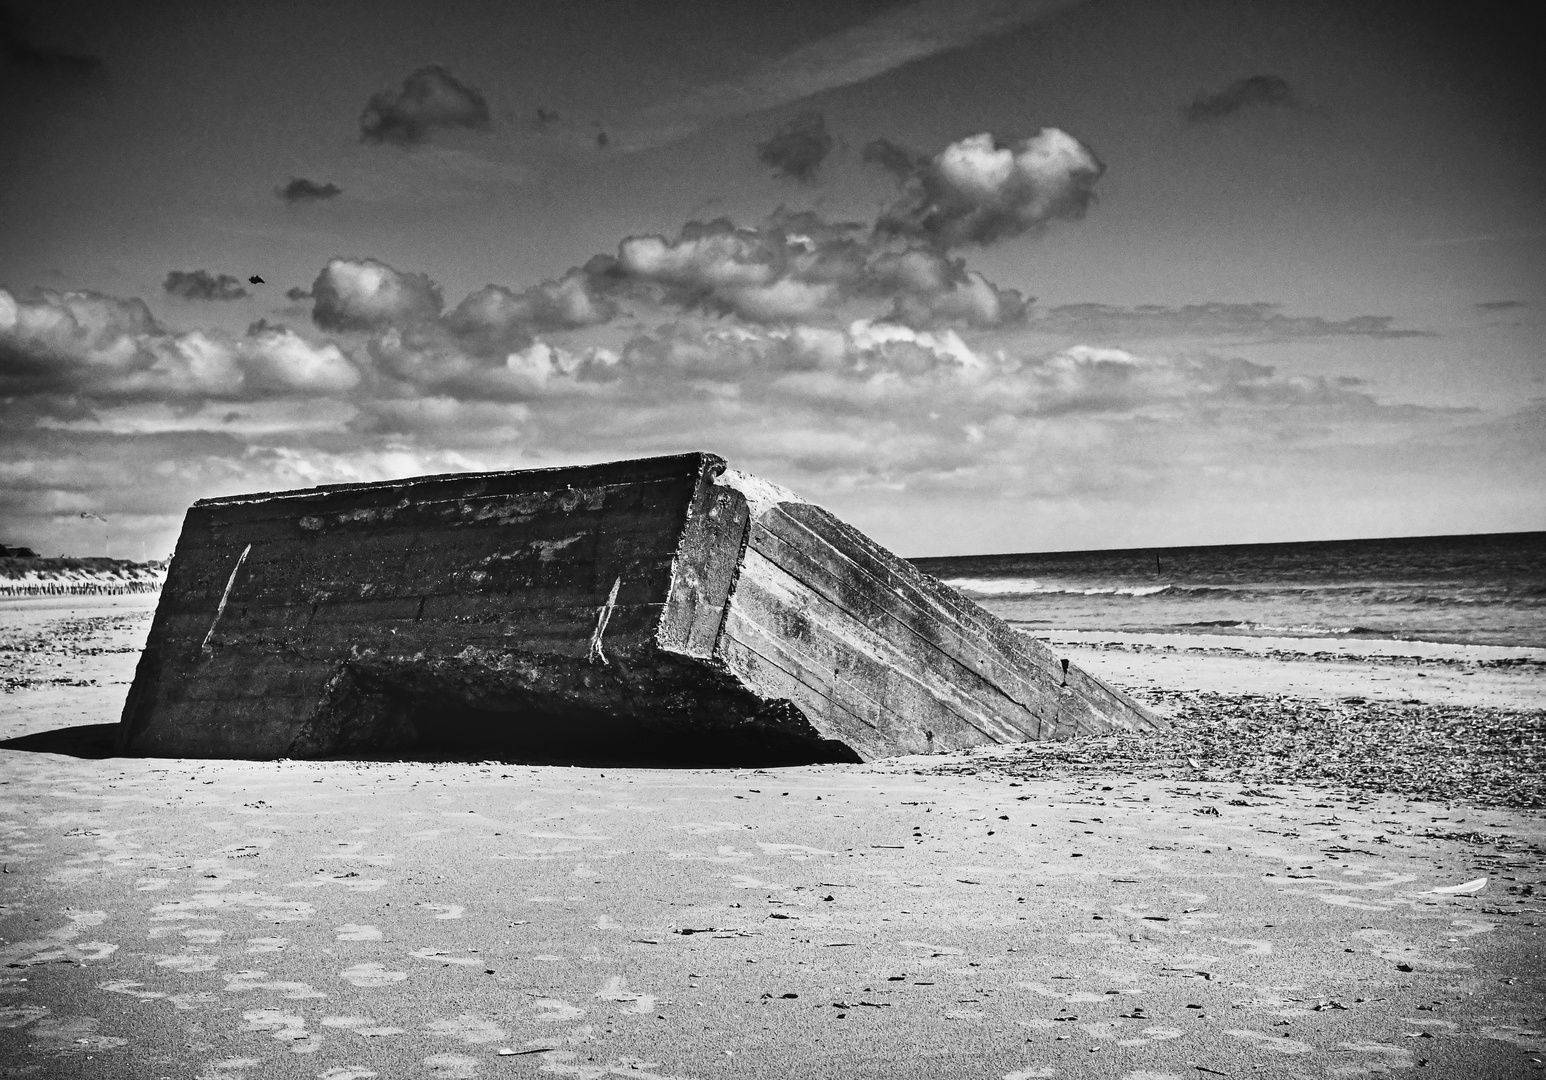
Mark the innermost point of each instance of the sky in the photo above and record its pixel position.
(978, 276)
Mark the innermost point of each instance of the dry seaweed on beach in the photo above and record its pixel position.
(1443, 753)
(49, 653)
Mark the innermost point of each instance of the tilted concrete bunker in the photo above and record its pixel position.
(670, 606)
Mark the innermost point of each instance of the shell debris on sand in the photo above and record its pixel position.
(1078, 912)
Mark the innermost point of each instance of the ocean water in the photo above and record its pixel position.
(1487, 589)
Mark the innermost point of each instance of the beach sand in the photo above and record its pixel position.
(1088, 911)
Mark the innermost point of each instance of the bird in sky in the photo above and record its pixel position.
(255, 280)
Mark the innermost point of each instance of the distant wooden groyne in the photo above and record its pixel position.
(66, 576)
(669, 605)
(77, 588)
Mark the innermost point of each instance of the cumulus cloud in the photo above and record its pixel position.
(1257, 321)
(429, 98)
(1257, 91)
(798, 267)
(930, 289)
(102, 348)
(364, 294)
(295, 294)
(301, 190)
(872, 405)
(979, 190)
(774, 273)
(796, 150)
(498, 319)
(202, 285)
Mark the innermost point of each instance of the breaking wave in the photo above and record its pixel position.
(1032, 587)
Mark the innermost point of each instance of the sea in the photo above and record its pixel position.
(1487, 589)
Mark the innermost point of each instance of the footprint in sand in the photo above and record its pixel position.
(794, 851)
(265, 944)
(259, 980)
(452, 1066)
(358, 932)
(189, 1002)
(706, 828)
(346, 1072)
(1387, 946)
(616, 989)
(128, 987)
(1471, 927)
(1153, 1034)
(1268, 1042)
(447, 911)
(369, 975)
(562, 1062)
(154, 884)
(22, 1015)
(363, 1026)
(1094, 938)
(234, 1068)
(555, 1010)
(1029, 1074)
(189, 962)
(73, 1034)
(1075, 997)
(469, 1029)
(286, 1027)
(1389, 1058)
(445, 957)
(934, 950)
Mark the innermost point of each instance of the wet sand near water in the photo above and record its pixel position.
(343, 920)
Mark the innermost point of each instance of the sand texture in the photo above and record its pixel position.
(1003, 914)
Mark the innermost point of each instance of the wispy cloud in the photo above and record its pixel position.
(202, 285)
(900, 36)
(1246, 322)
(1256, 91)
(25, 58)
(302, 190)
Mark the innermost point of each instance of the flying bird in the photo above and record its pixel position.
(255, 280)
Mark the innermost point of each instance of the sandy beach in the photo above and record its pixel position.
(1360, 897)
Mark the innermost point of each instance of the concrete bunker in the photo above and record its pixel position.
(660, 611)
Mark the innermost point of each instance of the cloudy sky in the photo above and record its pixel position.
(978, 275)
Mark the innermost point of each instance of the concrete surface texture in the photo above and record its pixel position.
(670, 606)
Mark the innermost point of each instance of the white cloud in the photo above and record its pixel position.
(101, 348)
(364, 294)
(979, 190)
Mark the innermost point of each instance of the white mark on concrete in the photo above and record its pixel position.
(224, 597)
(604, 616)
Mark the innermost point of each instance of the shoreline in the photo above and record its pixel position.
(1381, 649)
